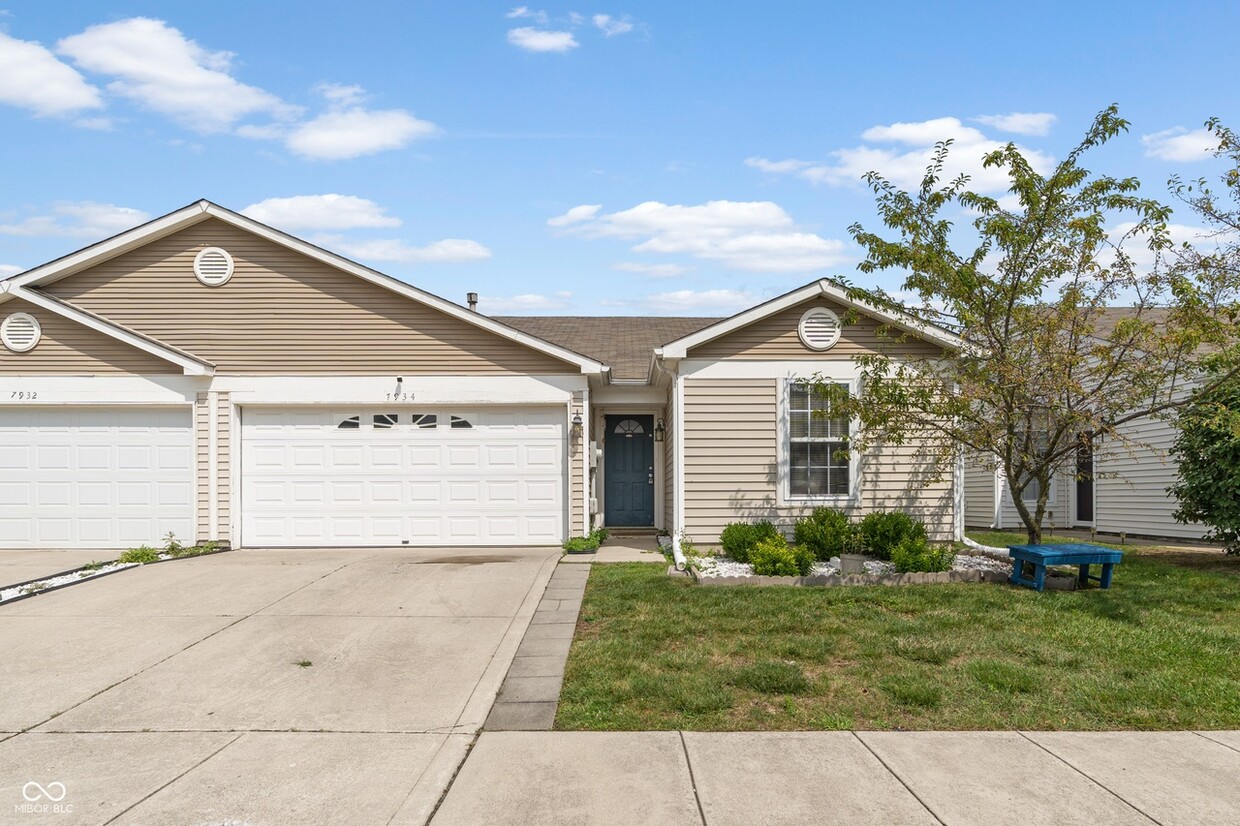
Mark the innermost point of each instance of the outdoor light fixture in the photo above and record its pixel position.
(576, 424)
(659, 430)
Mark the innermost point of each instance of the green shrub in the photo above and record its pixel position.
(140, 555)
(738, 538)
(775, 557)
(827, 532)
(916, 555)
(772, 678)
(587, 543)
(882, 531)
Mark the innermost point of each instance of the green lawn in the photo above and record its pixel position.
(1156, 651)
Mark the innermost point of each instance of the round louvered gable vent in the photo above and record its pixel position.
(20, 332)
(213, 266)
(819, 329)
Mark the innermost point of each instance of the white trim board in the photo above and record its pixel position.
(824, 288)
(202, 210)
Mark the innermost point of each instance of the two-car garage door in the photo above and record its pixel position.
(393, 476)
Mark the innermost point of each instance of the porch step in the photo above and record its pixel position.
(633, 531)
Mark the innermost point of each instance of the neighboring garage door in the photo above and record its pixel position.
(95, 477)
(353, 476)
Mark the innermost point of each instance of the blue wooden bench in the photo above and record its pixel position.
(1080, 554)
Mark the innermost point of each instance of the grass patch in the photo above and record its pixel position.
(1156, 651)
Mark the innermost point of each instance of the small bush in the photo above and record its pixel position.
(827, 532)
(775, 557)
(738, 538)
(587, 543)
(916, 555)
(140, 555)
(772, 678)
(882, 531)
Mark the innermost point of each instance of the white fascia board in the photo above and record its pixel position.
(822, 287)
(190, 365)
(111, 247)
(101, 390)
(841, 369)
(413, 391)
(201, 210)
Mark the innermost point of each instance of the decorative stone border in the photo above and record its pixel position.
(836, 580)
(112, 567)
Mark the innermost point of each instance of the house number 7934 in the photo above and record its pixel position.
(399, 397)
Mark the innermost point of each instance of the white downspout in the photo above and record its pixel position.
(586, 516)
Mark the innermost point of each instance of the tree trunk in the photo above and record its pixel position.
(1033, 521)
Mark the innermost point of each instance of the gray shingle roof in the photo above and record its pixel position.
(624, 342)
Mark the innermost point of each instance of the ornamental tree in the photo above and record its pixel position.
(1029, 281)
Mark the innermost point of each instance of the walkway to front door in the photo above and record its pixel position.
(628, 471)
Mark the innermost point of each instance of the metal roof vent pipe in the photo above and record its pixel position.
(472, 298)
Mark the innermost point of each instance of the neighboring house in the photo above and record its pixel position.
(207, 375)
(1112, 488)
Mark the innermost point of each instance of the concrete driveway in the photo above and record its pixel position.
(259, 686)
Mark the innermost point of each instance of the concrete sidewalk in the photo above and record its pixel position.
(720, 779)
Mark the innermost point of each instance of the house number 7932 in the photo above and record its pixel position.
(24, 395)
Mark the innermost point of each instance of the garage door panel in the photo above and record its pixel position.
(95, 477)
(404, 477)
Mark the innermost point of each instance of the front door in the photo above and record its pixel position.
(628, 475)
(1085, 480)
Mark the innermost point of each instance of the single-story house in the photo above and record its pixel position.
(207, 375)
(1116, 486)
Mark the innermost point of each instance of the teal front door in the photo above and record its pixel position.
(628, 471)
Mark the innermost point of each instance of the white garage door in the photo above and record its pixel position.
(90, 477)
(402, 477)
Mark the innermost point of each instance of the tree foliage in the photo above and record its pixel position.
(1207, 448)
(1029, 284)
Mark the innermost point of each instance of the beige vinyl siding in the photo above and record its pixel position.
(68, 348)
(732, 473)
(285, 313)
(979, 493)
(1058, 510)
(203, 412)
(775, 337)
(577, 454)
(1131, 491)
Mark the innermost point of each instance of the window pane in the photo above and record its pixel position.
(351, 423)
(839, 454)
(457, 423)
(1030, 494)
(820, 453)
(839, 481)
(819, 401)
(798, 481)
(425, 421)
(798, 397)
(384, 421)
(798, 454)
(799, 424)
(818, 481)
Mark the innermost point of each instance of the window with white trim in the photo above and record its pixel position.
(818, 461)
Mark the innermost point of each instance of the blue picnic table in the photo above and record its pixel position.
(1081, 554)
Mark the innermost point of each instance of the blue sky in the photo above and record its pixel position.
(623, 158)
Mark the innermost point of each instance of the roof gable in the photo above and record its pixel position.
(833, 294)
(139, 237)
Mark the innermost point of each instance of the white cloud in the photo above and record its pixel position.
(1180, 145)
(575, 215)
(351, 133)
(447, 251)
(777, 167)
(652, 270)
(525, 12)
(905, 167)
(541, 40)
(1021, 123)
(321, 212)
(338, 94)
(160, 68)
(743, 235)
(81, 219)
(610, 26)
(712, 301)
(524, 303)
(32, 78)
(8, 270)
